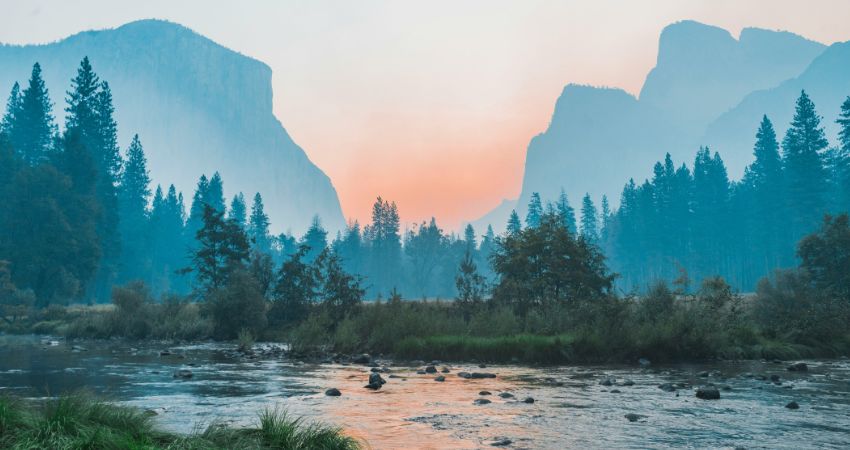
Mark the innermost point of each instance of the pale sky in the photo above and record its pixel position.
(429, 103)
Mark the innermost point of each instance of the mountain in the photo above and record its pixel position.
(598, 138)
(197, 106)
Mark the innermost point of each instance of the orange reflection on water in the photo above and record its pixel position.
(416, 412)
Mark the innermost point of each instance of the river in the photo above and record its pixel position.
(573, 407)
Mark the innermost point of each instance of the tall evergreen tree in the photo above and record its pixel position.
(316, 239)
(535, 211)
(469, 238)
(133, 196)
(589, 220)
(214, 195)
(514, 225)
(258, 225)
(223, 249)
(566, 212)
(764, 179)
(841, 160)
(804, 170)
(13, 107)
(238, 211)
(32, 130)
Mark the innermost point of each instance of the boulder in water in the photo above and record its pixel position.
(793, 405)
(502, 442)
(529, 400)
(430, 369)
(333, 392)
(484, 393)
(506, 395)
(708, 393)
(481, 401)
(798, 367)
(667, 387)
(632, 417)
(440, 378)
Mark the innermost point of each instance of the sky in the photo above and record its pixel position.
(430, 103)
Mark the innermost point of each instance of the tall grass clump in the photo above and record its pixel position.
(80, 421)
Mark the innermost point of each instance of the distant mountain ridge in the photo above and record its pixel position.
(598, 138)
(198, 108)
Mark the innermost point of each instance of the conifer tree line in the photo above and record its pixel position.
(81, 216)
(687, 224)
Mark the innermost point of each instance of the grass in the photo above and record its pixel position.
(80, 421)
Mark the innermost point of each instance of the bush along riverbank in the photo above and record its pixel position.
(82, 421)
(541, 311)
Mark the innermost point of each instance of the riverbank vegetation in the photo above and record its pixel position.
(81, 421)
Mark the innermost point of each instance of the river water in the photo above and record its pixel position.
(571, 408)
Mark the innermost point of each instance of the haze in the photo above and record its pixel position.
(430, 105)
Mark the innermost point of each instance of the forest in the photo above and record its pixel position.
(81, 224)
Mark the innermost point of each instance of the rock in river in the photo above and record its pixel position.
(793, 405)
(634, 417)
(375, 381)
(430, 369)
(667, 387)
(476, 375)
(440, 378)
(708, 393)
(484, 393)
(798, 367)
(506, 395)
(528, 400)
(333, 392)
(481, 401)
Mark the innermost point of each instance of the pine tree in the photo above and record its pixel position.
(316, 239)
(589, 220)
(514, 225)
(469, 238)
(605, 218)
(13, 107)
(535, 211)
(106, 137)
(32, 130)
(841, 160)
(384, 240)
(133, 195)
(214, 196)
(804, 171)
(223, 249)
(238, 210)
(566, 212)
(80, 101)
(764, 182)
(258, 226)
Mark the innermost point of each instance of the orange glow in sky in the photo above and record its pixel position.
(431, 103)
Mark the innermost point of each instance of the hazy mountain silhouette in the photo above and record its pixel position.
(197, 106)
(600, 137)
